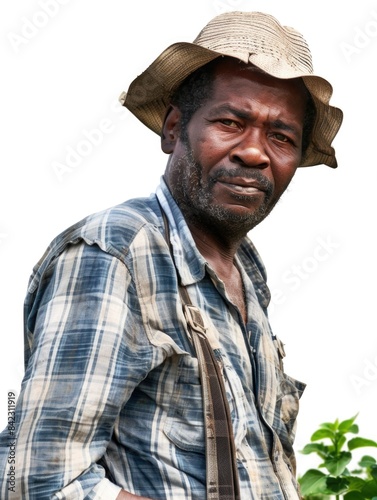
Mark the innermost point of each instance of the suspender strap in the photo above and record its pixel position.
(222, 478)
(221, 466)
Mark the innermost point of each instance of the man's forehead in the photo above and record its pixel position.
(227, 67)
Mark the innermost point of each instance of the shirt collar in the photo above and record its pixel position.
(190, 263)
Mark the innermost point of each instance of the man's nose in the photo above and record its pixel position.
(250, 151)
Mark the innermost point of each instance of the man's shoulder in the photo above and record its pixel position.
(113, 230)
(116, 227)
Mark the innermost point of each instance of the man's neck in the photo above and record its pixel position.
(219, 251)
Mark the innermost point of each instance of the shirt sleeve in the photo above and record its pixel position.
(82, 368)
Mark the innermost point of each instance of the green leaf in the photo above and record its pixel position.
(319, 448)
(373, 472)
(355, 483)
(359, 442)
(367, 461)
(313, 482)
(337, 465)
(317, 497)
(332, 426)
(346, 424)
(369, 489)
(322, 434)
(341, 442)
(337, 484)
(354, 495)
(354, 429)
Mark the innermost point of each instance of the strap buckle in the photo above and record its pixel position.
(194, 319)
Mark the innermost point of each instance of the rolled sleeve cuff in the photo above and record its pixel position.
(105, 490)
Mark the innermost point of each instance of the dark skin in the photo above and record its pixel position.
(124, 495)
(246, 143)
(242, 149)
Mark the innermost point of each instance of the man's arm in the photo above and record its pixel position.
(124, 495)
(76, 380)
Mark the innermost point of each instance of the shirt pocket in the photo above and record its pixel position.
(289, 392)
(279, 393)
(288, 397)
(184, 425)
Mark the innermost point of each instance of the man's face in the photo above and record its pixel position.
(240, 149)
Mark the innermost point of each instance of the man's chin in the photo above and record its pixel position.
(234, 219)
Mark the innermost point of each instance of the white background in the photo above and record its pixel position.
(63, 68)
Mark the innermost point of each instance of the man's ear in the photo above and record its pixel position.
(170, 129)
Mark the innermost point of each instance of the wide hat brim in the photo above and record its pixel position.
(285, 55)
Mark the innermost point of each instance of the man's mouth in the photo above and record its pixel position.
(243, 186)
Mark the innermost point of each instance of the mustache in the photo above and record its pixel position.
(248, 173)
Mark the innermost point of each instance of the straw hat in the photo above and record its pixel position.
(251, 37)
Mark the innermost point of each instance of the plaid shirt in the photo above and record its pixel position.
(111, 396)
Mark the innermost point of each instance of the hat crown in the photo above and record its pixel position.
(254, 38)
(258, 38)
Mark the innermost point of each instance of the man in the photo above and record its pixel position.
(111, 404)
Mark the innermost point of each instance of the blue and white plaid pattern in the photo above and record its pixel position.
(111, 383)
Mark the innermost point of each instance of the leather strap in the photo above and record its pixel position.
(221, 464)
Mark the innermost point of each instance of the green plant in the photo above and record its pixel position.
(335, 449)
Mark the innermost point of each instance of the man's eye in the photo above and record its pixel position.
(229, 122)
(281, 137)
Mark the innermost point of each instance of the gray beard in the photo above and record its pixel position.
(195, 198)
